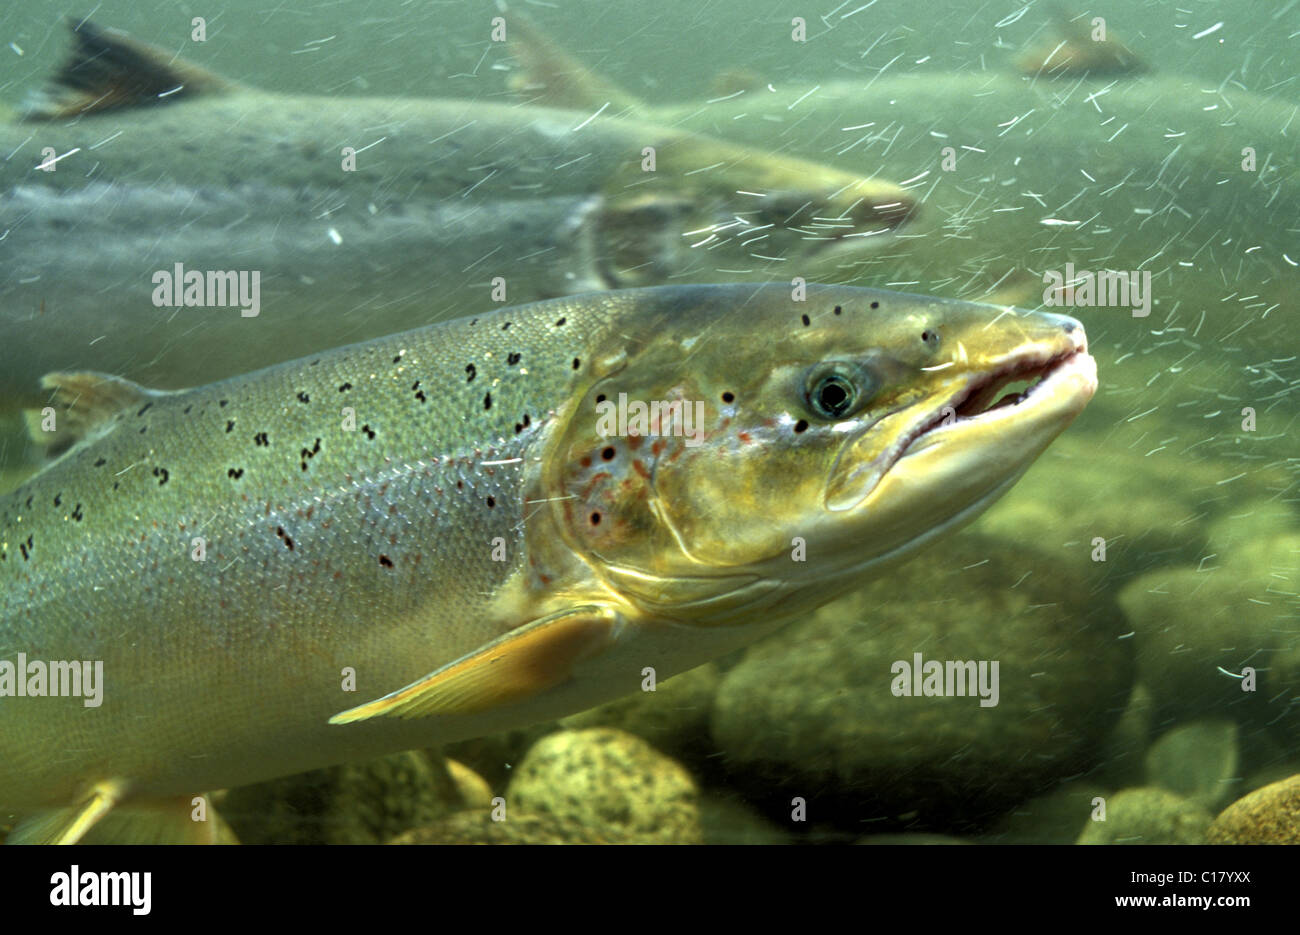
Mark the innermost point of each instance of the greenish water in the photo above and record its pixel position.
(1139, 587)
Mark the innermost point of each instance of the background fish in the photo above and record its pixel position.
(157, 162)
(467, 539)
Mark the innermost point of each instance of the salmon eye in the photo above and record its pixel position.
(833, 391)
(833, 396)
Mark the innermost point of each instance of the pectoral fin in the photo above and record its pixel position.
(519, 665)
(68, 825)
(97, 819)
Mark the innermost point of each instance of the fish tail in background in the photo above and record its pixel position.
(107, 70)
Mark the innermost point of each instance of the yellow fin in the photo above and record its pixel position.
(166, 821)
(82, 403)
(68, 825)
(551, 77)
(108, 71)
(521, 664)
(95, 821)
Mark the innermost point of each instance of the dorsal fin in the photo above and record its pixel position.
(108, 71)
(551, 77)
(82, 403)
(1069, 50)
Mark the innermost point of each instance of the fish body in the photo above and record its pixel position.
(1018, 175)
(361, 216)
(447, 532)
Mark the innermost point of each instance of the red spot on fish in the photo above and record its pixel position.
(744, 437)
(599, 478)
(641, 469)
(586, 461)
(657, 447)
(634, 442)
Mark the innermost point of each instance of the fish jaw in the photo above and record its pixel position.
(964, 421)
(952, 465)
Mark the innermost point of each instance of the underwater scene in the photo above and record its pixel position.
(617, 423)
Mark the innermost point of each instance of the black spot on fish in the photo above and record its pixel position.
(145, 408)
(261, 439)
(512, 359)
(345, 387)
(398, 357)
(304, 398)
(385, 561)
(419, 393)
(187, 409)
(600, 398)
(728, 397)
(560, 323)
(58, 498)
(595, 518)
(607, 454)
(314, 362)
(487, 401)
(77, 515)
(143, 429)
(576, 363)
(230, 425)
(161, 474)
(222, 403)
(235, 474)
(801, 425)
(369, 432)
(288, 540)
(875, 305)
(472, 371)
(99, 462)
(806, 320)
(308, 453)
(506, 326)
(491, 501)
(838, 310)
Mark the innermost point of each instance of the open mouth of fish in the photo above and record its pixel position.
(1037, 374)
(1009, 412)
